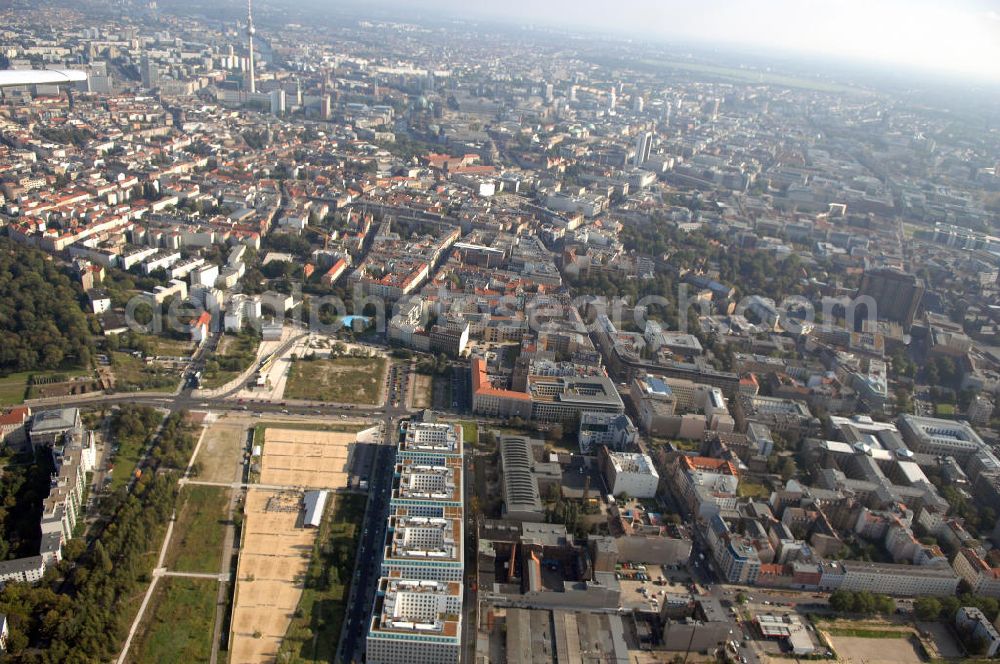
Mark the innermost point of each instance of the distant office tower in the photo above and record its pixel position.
(150, 73)
(668, 110)
(713, 109)
(326, 108)
(612, 99)
(298, 93)
(572, 93)
(643, 145)
(896, 294)
(278, 101)
(549, 93)
(637, 103)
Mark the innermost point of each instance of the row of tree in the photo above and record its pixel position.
(945, 608)
(863, 602)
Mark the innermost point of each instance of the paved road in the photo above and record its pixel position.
(369, 554)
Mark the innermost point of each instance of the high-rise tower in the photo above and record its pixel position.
(250, 33)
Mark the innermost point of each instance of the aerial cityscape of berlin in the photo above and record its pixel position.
(535, 332)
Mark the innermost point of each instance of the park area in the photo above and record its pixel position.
(277, 577)
(180, 628)
(132, 374)
(235, 354)
(355, 380)
(16, 387)
(196, 545)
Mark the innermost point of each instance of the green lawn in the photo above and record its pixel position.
(125, 460)
(181, 626)
(196, 545)
(944, 410)
(866, 633)
(218, 379)
(751, 490)
(132, 375)
(169, 346)
(235, 354)
(343, 380)
(315, 628)
(470, 433)
(14, 387)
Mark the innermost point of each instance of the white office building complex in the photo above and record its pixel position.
(429, 441)
(424, 548)
(416, 622)
(417, 616)
(899, 580)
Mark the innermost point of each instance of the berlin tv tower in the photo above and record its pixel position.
(250, 33)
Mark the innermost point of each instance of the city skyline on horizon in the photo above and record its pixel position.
(961, 39)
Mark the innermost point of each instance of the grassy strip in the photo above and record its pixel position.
(751, 490)
(196, 545)
(218, 379)
(864, 633)
(234, 355)
(14, 387)
(470, 432)
(314, 631)
(131, 443)
(134, 375)
(258, 432)
(167, 346)
(181, 626)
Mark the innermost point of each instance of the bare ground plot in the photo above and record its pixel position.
(860, 650)
(422, 385)
(220, 456)
(942, 639)
(342, 380)
(299, 458)
(273, 563)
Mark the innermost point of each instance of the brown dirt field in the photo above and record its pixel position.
(421, 390)
(221, 450)
(313, 459)
(196, 417)
(276, 549)
(274, 558)
(858, 650)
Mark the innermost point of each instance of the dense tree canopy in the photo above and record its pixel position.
(41, 323)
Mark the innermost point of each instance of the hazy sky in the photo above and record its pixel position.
(959, 36)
